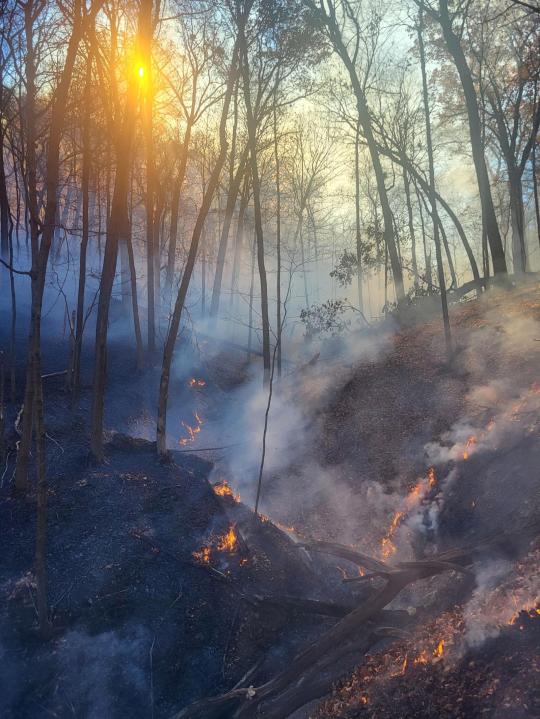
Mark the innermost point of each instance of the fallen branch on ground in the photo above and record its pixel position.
(313, 672)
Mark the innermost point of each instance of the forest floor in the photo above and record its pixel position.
(160, 589)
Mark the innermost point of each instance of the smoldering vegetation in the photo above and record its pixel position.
(269, 350)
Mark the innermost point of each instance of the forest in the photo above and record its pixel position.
(270, 359)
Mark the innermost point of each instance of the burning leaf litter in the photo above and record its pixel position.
(226, 543)
(191, 430)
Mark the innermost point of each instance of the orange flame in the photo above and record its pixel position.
(470, 443)
(192, 431)
(202, 555)
(388, 548)
(228, 542)
(439, 651)
(196, 382)
(223, 489)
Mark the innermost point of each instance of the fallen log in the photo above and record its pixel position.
(311, 674)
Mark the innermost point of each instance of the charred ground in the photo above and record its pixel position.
(143, 623)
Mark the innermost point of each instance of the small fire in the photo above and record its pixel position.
(422, 658)
(439, 651)
(471, 442)
(192, 431)
(412, 500)
(223, 489)
(202, 555)
(228, 542)
(193, 382)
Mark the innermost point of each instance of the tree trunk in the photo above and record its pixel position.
(4, 202)
(117, 228)
(175, 205)
(411, 223)
(517, 214)
(453, 44)
(256, 185)
(279, 339)
(135, 301)
(535, 190)
(251, 284)
(147, 85)
(357, 215)
(40, 255)
(161, 436)
(232, 197)
(85, 190)
(239, 240)
(432, 191)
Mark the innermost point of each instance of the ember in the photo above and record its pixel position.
(196, 382)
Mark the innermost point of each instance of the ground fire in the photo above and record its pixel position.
(226, 543)
(191, 431)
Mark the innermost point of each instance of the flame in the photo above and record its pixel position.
(471, 442)
(202, 555)
(413, 498)
(439, 651)
(193, 382)
(192, 431)
(228, 542)
(223, 489)
(422, 658)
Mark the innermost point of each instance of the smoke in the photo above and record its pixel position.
(96, 670)
(503, 590)
(296, 481)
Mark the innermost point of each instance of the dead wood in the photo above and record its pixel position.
(344, 552)
(311, 674)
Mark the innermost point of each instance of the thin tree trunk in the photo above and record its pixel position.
(364, 117)
(85, 189)
(40, 255)
(432, 194)
(146, 38)
(256, 185)
(39, 272)
(279, 328)
(238, 244)
(4, 201)
(232, 197)
(161, 435)
(12, 340)
(411, 224)
(357, 215)
(117, 228)
(517, 214)
(251, 285)
(535, 190)
(134, 299)
(453, 44)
